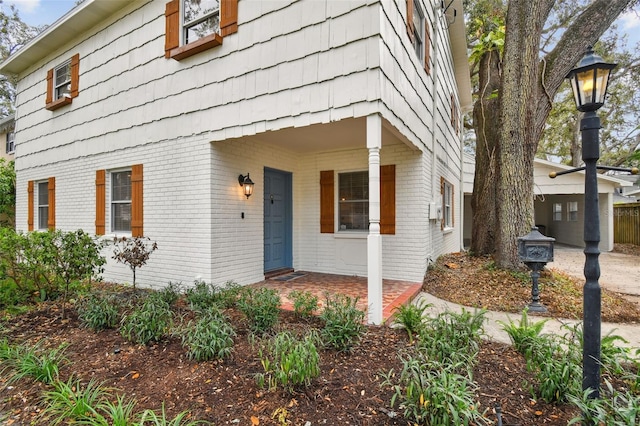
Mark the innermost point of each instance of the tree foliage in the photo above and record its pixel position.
(7, 192)
(134, 252)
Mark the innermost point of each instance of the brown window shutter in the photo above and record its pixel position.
(410, 28)
(49, 98)
(51, 220)
(228, 17)
(30, 205)
(442, 198)
(100, 201)
(453, 201)
(388, 199)
(172, 26)
(427, 48)
(75, 74)
(326, 202)
(136, 201)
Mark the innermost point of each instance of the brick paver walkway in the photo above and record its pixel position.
(394, 293)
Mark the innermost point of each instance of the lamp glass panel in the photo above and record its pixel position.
(585, 86)
(602, 79)
(248, 189)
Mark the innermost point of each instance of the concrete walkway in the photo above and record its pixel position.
(494, 330)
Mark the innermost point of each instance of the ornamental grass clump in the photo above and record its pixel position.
(149, 322)
(72, 401)
(99, 312)
(343, 322)
(411, 317)
(261, 307)
(289, 362)
(210, 337)
(34, 361)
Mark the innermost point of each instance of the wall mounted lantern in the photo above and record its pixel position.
(247, 185)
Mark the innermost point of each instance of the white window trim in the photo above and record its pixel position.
(109, 214)
(57, 87)
(570, 211)
(447, 209)
(554, 212)
(184, 26)
(38, 205)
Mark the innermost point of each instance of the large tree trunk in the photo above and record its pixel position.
(485, 118)
(527, 89)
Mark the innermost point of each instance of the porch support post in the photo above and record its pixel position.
(374, 239)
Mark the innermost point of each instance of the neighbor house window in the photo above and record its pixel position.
(11, 144)
(121, 201)
(62, 83)
(353, 202)
(447, 204)
(572, 211)
(557, 212)
(43, 205)
(193, 26)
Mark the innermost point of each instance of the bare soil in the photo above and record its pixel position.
(348, 391)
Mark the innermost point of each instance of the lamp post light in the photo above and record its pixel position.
(535, 250)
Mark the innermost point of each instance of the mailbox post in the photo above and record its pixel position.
(535, 250)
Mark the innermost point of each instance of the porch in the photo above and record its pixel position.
(394, 292)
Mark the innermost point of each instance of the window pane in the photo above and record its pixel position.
(354, 186)
(121, 217)
(354, 215)
(121, 186)
(63, 74)
(195, 9)
(354, 201)
(43, 194)
(43, 217)
(203, 29)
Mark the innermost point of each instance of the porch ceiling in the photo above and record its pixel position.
(339, 135)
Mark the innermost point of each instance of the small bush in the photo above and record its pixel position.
(133, 252)
(614, 408)
(171, 293)
(411, 317)
(72, 401)
(343, 322)
(524, 334)
(261, 307)
(229, 294)
(107, 413)
(147, 323)
(208, 338)
(40, 364)
(305, 303)
(201, 296)
(98, 312)
(289, 362)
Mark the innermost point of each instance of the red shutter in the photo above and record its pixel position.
(136, 201)
(51, 220)
(172, 26)
(228, 17)
(388, 199)
(30, 206)
(100, 201)
(326, 202)
(410, 29)
(49, 98)
(427, 48)
(75, 74)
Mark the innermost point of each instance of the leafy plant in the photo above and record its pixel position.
(151, 418)
(434, 393)
(133, 252)
(107, 413)
(305, 303)
(343, 322)
(210, 337)
(171, 293)
(73, 401)
(524, 334)
(33, 361)
(411, 317)
(261, 307)
(147, 322)
(201, 296)
(614, 408)
(98, 312)
(289, 362)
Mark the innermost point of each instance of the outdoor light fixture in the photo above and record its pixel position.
(535, 250)
(589, 81)
(247, 185)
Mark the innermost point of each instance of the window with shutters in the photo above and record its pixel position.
(418, 30)
(419, 33)
(193, 26)
(353, 201)
(121, 201)
(447, 204)
(62, 83)
(43, 205)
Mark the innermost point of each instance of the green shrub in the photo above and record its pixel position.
(32, 361)
(289, 362)
(98, 312)
(524, 334)
(148, 322)
(229, 294)
(343, 322)
(208, 338)
(72, 401)
(305, 303)
(411, 317)
(613, 408)
(201, 296)
(171, 293)
(261, 307)
(107, 413)
(434, 393)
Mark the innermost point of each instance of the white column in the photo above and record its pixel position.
(374, 239)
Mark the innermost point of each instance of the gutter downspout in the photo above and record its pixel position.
(437, 9)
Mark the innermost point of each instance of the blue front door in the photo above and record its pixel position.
(277, 220)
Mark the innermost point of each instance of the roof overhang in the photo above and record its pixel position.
(78, 20)
(458, 37)
(617, 183)
(7, 123)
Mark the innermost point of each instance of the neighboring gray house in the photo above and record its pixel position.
(139, 117)
(558, 204)
(7, 137)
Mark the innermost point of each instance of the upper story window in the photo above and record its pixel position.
(353, 202)
(11, 144)
(418, 32)
(193, 26)
(63, 83)
(455, 115)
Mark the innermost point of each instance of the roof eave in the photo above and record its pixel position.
(458, 37)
